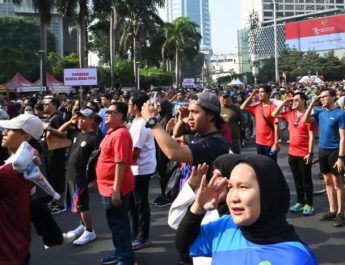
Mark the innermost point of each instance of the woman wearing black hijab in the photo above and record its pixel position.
(256, 231)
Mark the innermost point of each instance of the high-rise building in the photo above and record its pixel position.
(285, 8)
(198, 11)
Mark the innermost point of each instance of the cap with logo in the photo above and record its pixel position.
(29, 123)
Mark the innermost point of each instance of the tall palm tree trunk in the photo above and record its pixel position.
(43, 47)
(177, 70)
(113, 26)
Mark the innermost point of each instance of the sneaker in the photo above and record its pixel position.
(339, 220)
(162, 201)
(308, 210)
(109, 259)
(58, 209)
(140, 244)
(68, 238)
(85, 238)
(52, 204)
(78, 231)
(298, 207)
(328, 216)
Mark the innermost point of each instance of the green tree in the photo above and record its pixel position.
(78, 11)
(182, 36)
(19, 42)
(44, 9)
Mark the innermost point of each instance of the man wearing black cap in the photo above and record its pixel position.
(234, 117)
(83, 144)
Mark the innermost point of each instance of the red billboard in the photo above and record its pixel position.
(318, 34)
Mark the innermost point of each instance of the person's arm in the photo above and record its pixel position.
(307, 117)
(249, 99)
(64, 127)
(276, 145)
(339, 164)
(309, 157)
(118, 178)
(135, 154)
(275, 113)
(168, 145)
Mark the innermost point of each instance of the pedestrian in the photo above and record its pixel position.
(267, 127)
(256, 231)
(331, 122)
(116, 181)
(143, 166)
(301, 146)
(83, 144)
(54, 160)
(105, 103)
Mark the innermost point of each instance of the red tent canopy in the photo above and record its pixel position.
(54, 84)
(51, 81)
(20, 84)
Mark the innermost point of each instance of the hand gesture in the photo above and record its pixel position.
(308, 159)
(195, 177)
(339, 165)
(208, 195)
(148, 110)
(170, 125)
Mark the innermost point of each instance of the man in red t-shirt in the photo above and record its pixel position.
(300, 151)
(267, 127)
(115, 182)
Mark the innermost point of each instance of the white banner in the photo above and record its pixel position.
(80, 77)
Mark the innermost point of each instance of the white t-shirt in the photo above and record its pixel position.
(143, 139)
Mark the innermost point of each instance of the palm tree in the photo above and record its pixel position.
(182, 36)
(44, 9)
(78, 10)
(142, 15)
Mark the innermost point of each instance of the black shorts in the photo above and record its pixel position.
(79, 195)
(327, 159)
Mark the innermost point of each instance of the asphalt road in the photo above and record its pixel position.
(327, 242)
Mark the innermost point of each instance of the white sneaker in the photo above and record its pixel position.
(77, 232)
(85, 238)
(68, 237)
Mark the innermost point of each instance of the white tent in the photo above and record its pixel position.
(310, 79)
(235, 82)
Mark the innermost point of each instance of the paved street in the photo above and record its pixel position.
(327, 242)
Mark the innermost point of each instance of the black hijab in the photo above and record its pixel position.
(224, 163)
(271, 226)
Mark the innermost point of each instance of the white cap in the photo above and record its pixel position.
(29, 123)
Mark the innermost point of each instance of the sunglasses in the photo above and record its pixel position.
(109, 112)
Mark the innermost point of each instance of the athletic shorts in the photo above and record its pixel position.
(327, 159)
(79, 196)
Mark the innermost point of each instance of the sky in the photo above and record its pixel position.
(225, 21)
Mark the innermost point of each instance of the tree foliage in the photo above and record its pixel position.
(19, 43)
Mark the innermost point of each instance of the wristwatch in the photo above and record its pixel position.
(151, 122)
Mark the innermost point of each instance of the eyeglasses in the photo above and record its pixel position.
(325, 96)
(295, 100)
(109, 112)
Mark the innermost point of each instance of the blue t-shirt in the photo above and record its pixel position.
(330, 121)
(223, 241)
(103, 126)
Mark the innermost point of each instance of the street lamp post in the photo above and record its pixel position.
(41, 53)
(254, 20)
(275, 41)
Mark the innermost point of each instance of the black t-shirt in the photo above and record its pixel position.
(207, 148)
(82, 146)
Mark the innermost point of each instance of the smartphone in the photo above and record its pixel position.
(153, 97)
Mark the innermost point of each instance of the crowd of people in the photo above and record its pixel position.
(120, 140)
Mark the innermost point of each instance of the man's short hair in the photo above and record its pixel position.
(122, 108)
(55, 102)
(267, 89)
(139, 98)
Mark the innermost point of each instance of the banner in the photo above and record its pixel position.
(316, 34)
(80, 77)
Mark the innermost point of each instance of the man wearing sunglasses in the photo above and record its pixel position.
(300, 150)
